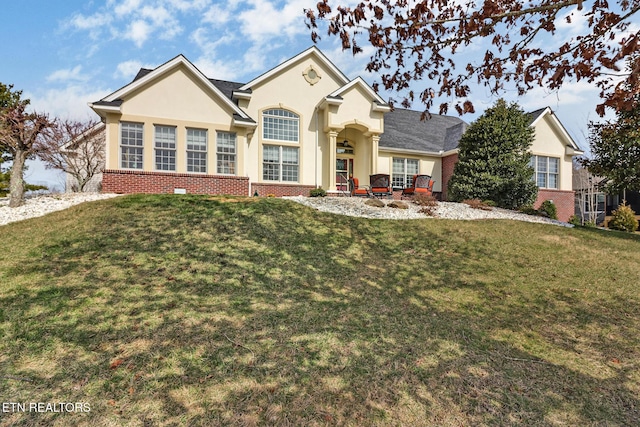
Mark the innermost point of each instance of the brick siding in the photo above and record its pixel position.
(564, 201)
(280, 190)
(448, 163)
(119, 181)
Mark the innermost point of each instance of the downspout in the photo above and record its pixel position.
(316, 148)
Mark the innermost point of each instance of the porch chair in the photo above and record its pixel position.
(356, 190)
(422, 184)
(380, 185)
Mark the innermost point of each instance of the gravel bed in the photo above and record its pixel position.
(355, 206)
(43, 204)
(352, 206)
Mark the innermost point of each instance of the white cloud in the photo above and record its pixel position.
(265, 21)
(219, 15)
(128, 69)
(138, 32)
(187, 5)
(69, 102)
(67, 74)
(126, 7)
(219, 69)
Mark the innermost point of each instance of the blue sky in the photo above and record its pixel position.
(64, 54)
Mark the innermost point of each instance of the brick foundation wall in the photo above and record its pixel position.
(280, 190)
(119, 181)
(564, 201)
(448, 164)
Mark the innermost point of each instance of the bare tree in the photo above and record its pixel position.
(588, 189)
(21, 136)
(423, 39)
(77, 148)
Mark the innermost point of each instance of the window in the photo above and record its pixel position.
(280, 125)
(165, 143)
(131, 143)
(403, 171)
(226, 152)
(197, 150)
(546, 171)
(280, 163)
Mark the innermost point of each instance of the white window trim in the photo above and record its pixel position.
(535, 157)
(206, 151)
(280, 164)
(175, 149)
(404, 159)
(280, 141)
(235, 153)
(120, 146)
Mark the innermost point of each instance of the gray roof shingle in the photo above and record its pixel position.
(404, 130)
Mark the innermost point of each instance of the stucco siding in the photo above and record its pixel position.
(549, 141)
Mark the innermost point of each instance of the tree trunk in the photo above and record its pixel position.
(16, 184)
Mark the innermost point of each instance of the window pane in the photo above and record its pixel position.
(165, 137)
(398, 165)
(271, 172)
(197, 150)
(542, 164)
(131, 142)
(290, 155)
(542, 180)
(196, 140)
(271, 154)
(412, 166)
(553, 165)
(280, 125)
(165, 143)
(226, 152)
(553, 181)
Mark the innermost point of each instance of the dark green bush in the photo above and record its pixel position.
(548, 209)
(317, 192)
(575, 220)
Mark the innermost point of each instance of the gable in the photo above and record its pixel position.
(550, 138)
(313, 56)
(146, 80)
(177, 95)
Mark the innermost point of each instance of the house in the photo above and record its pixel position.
(298, 126)
(593, 204)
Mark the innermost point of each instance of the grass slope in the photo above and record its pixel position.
(187, 310)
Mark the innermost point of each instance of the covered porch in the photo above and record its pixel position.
(352, 153)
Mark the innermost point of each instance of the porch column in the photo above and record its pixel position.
(333, 136)
(375, 139)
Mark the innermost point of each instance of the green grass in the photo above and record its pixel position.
(187, 310)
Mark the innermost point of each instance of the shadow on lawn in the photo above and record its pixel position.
(265, 312)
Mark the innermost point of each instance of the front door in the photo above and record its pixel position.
(344, 171)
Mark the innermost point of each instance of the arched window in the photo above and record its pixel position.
(280, 125)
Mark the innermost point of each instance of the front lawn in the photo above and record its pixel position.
(194, 310)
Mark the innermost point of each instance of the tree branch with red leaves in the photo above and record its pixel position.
(424, 41)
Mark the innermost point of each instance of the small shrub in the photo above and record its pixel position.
(528, 209)
(428, 203)
(548, 209)
(590, 224)
(490, 203)
(425, 200)
(477, 204)
(317, 192)
(624, 219)
(271, 195)
(575, 220)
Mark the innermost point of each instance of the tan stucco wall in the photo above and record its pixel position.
(290, 90)
(428, 165)
(175, 99)
(549, 141)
